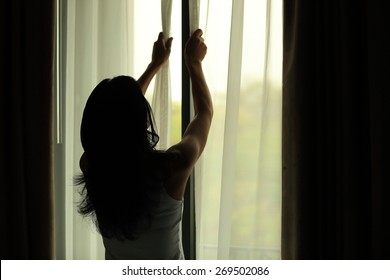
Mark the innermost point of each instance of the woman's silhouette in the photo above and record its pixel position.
(133, 191)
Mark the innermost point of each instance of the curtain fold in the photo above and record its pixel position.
(162, 96)
(334, 188)
(239, 203)
(229, 159)
(194, 10)
(26, 129)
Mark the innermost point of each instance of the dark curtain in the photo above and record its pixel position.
(26, 86)
(336, 187)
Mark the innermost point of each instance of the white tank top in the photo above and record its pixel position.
(161, 242)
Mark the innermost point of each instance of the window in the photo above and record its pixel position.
(238, 178)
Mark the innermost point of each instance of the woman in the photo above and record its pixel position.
(133, 191)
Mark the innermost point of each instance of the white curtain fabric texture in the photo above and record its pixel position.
(238, 182)
(162, 98)
(238, 177)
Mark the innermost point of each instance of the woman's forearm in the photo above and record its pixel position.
(200, 91)
(147, 77)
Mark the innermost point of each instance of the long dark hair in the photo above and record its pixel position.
(119, 138)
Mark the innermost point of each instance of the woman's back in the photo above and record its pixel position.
(162, 240)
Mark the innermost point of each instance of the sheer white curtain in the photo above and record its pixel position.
(162, 96)
(103, 39)
(238, 180)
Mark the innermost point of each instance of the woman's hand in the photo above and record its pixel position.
(161, 51)
(195, 49)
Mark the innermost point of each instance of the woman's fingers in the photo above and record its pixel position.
(168, 44)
